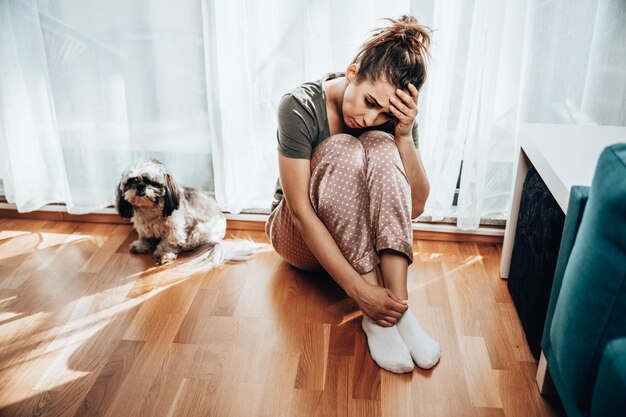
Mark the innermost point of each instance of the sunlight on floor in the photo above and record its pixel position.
(467, 262)
(8, 234)
(412, 285)
(4, 300)
(26, 242)
(51, 365)
(8, 315)
(351, 316)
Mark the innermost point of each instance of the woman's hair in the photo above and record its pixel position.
(397, 52)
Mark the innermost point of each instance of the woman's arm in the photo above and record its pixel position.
(416, 174)
(376, 302)
(404, 108)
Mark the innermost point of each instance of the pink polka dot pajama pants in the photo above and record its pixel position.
(361, 193)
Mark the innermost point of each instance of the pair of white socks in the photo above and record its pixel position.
(395, 348)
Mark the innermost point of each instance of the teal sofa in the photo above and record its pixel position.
(584, 338)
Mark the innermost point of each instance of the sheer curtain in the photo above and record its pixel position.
(471, 105)
(256, 52)
(497, 64)
(87, 86)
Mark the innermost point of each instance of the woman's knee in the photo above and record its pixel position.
(381, 151)
(379, 141)
(342, 150)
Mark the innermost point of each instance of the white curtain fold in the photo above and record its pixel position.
(479, 110)
(499, 63)
(87, 87)
(470, 105)
(258, 51)
(29, 140)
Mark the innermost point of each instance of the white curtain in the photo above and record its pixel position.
(497, 64)
(87, 86)
(256, 52)
(31, 150)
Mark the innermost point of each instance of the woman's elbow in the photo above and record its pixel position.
(419, 205)
(299, 215)
(416, 212)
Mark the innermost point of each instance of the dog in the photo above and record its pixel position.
(170, 219)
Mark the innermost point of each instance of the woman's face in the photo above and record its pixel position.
(366, 103)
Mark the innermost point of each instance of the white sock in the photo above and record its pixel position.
(425, 351)
(386, 347)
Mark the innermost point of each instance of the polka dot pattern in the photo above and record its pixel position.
(287, 241)
(360, 192)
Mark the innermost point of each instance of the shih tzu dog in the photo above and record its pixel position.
(170, 219)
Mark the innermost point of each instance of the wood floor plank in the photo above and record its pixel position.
(313, 361)
(459, 288)
(491, 261)
(192, 328)
(231, 288)
(337, 392)
(280, 385)
(194, 398)
(514, 333)
(269, 289)
(87, 328)
(359, 407)
(257, 343)
(107, 248)
(128, 399)
(343, 331)
(165, 386)
(396, 398)
(307, 403)
(482, 379)
(366, 377)
(99, 397)
(442, 390)
(163, 312)
(501, 355)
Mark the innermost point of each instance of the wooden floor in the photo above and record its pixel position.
(86, 328)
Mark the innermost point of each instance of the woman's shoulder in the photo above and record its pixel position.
(305, 102)
(309, 94)
(297, 107)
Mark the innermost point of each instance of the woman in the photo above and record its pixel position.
(351, 180)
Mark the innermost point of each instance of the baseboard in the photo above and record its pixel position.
(63, 216)
(256, 222)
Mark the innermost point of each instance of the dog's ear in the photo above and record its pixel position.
(172, 196)
(123, 207)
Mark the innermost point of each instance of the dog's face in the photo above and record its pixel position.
(146, 184)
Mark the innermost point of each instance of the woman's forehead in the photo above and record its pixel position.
(380, 90)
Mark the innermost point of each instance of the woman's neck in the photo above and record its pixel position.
(334, 90)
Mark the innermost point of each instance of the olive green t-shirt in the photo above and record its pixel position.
(303, 124)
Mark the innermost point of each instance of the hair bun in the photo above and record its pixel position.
(397, 52)
(407, 30)
(407, 19)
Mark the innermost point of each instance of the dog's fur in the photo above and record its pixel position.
(168, 218)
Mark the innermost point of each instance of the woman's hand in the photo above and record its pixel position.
(404, 108)
(379, 304)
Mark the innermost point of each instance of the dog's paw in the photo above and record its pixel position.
(139, 246)
(164, 258)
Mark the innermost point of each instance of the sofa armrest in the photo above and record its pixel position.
(608, 397)
(591, 307)
(575, 209)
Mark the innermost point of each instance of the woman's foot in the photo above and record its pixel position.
(424, 350)
(386, 347)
